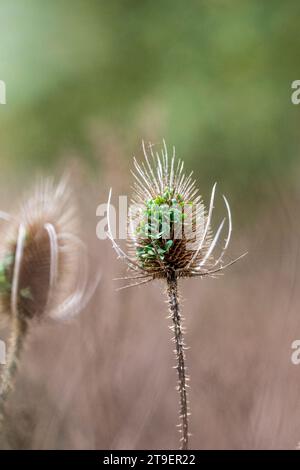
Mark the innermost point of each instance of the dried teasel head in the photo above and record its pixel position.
(170, 230)
(43, 262)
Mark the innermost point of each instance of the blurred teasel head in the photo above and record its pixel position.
(169, 228)
(42, 257)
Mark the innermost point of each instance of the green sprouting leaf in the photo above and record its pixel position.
(168, 245)
(7, 261)
(26, 293)
(156, 236)
(148, 248)
(166, 195)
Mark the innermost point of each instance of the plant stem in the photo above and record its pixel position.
(16, 342)
(180, 356)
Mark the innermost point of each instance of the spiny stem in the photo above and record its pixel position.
(16, 342)
(180, 356)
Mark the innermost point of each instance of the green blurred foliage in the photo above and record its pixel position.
(212, 77)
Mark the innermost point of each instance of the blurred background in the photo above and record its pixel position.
(86, 81)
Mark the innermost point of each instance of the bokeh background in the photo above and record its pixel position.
(86, 81)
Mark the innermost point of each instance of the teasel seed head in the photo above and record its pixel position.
(169, 228)
(43, 262)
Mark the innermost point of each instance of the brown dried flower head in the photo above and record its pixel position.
(43, 264)
(169, 228)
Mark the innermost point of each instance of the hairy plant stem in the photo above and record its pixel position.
(18, 333)
(180, 356)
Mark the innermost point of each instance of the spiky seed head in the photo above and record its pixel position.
(169, 220)
(39, 253)
(170, 230)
